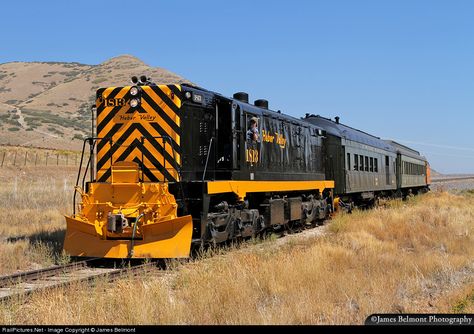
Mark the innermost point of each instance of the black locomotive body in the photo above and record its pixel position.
(271, 171)
(214, 132)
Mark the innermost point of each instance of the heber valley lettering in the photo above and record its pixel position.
(140, 117)
(269, 138)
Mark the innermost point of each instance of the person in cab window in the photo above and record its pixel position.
(252, 132)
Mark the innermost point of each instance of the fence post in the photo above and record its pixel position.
(57, 159)
(67, 159)
(15, 188)
(14, 159)
(47, 155)
(36, 158)
(3, 159)
(26, 156)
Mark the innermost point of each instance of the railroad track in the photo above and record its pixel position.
(28, 282)
(447, 179)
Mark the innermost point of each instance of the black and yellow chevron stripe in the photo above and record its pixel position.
(149, 134)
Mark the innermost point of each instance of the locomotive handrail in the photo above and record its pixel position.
(78, 177)
(207, 159)
(92, 141)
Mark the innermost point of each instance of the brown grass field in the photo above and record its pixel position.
(415, 256)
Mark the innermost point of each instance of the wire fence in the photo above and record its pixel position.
(24, 158)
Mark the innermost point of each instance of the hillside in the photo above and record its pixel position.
(46, 104)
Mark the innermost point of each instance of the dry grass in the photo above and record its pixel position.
(32, 226)
(414, 256)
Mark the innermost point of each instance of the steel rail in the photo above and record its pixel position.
(26, 283)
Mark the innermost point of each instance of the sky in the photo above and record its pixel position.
(402, 70)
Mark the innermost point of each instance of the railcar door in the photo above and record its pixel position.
(224, 142)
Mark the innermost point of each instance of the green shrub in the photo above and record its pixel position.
(99, 80)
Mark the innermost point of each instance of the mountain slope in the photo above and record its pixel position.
(47, 104)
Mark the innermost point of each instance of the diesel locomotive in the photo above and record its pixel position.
(171, 167)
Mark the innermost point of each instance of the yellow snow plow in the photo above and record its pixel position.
(127, 218)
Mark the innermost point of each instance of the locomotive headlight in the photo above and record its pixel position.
(134, 91)
(134, 103)
(188, 95)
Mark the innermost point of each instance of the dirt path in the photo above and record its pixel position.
(21, 119)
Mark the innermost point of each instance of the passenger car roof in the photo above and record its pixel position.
(405, 150)
(346, 132)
